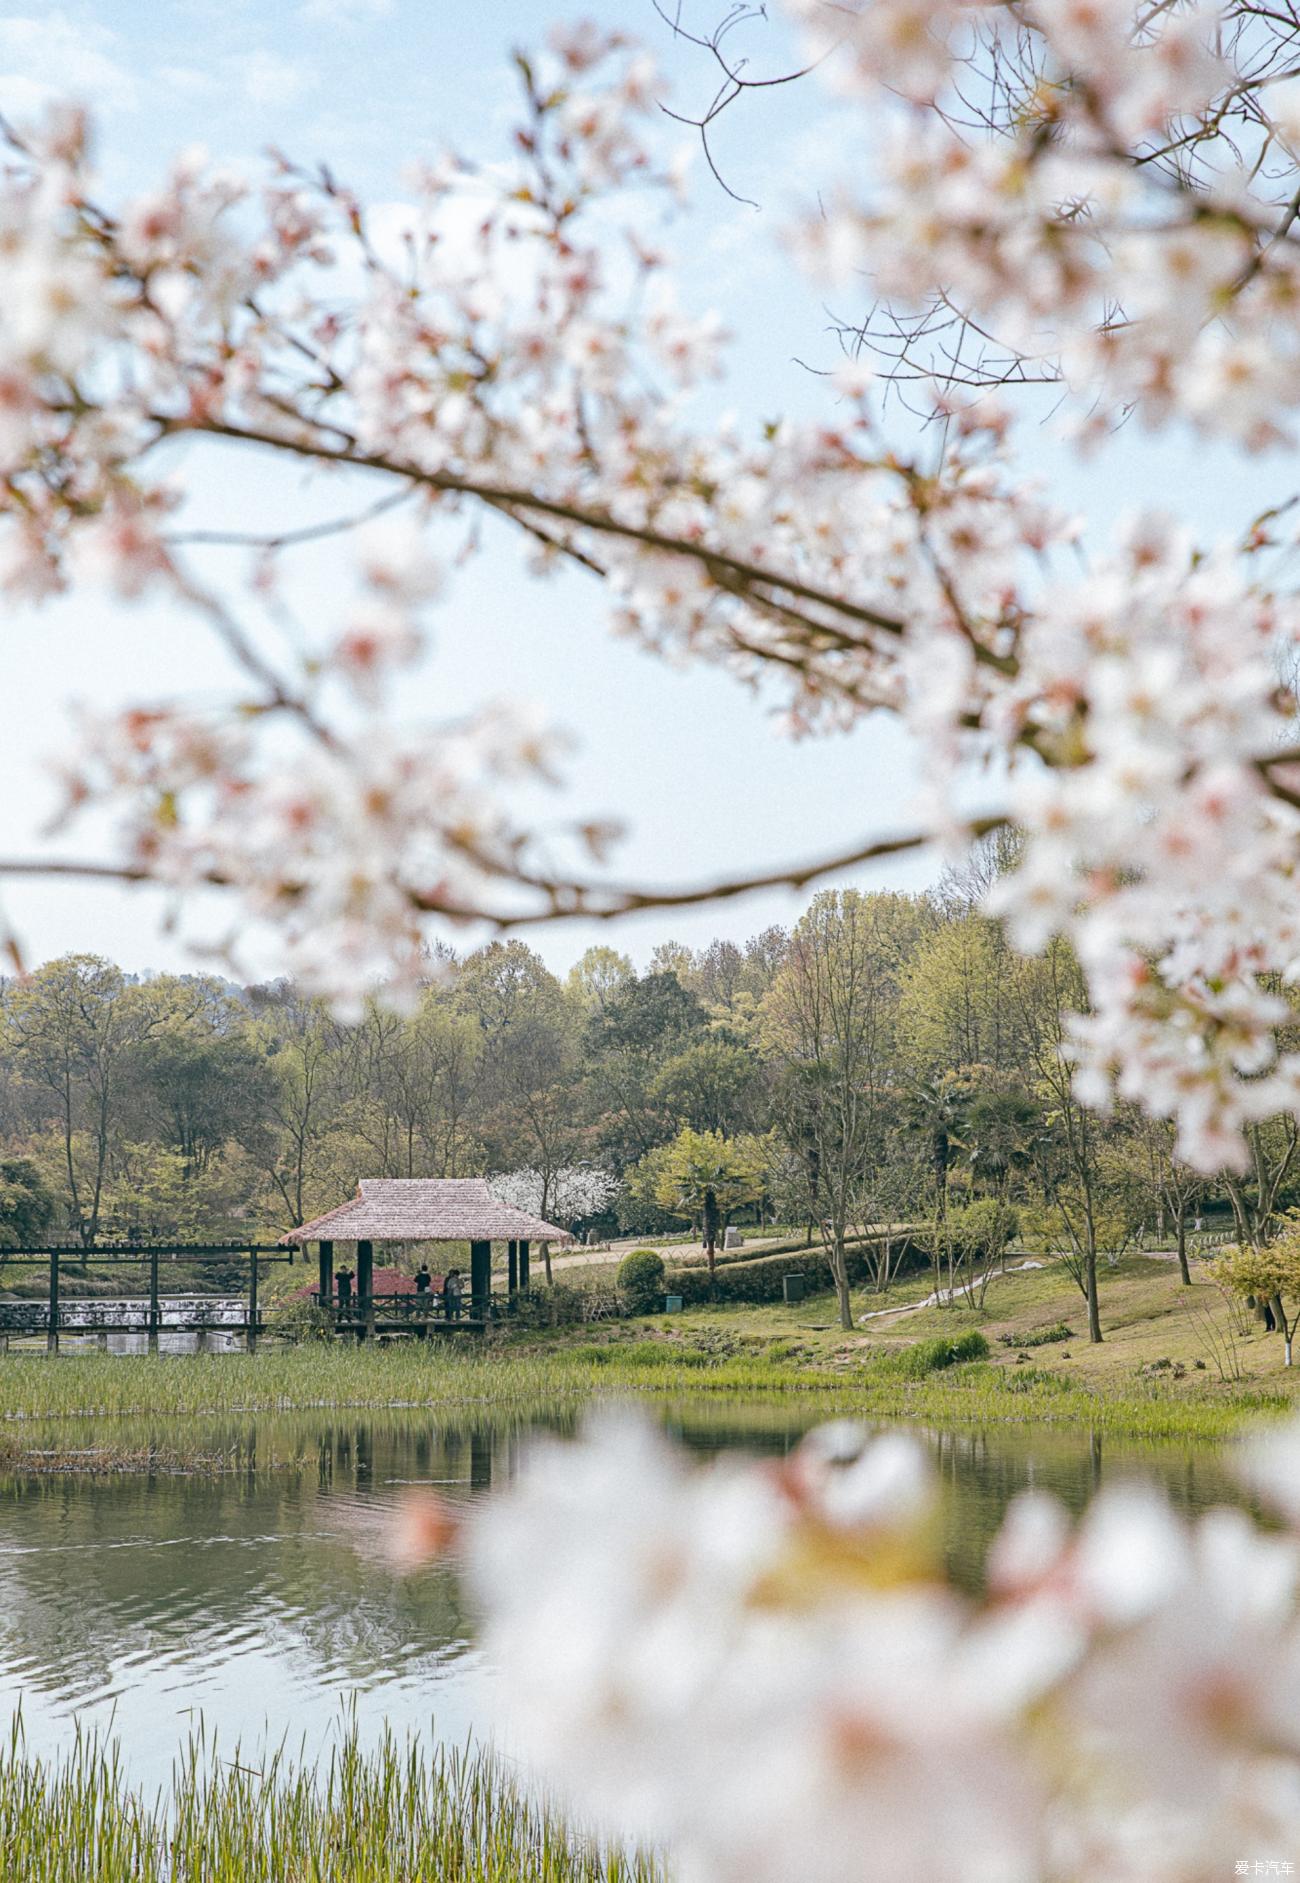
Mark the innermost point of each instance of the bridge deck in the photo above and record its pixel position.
(188, 1315)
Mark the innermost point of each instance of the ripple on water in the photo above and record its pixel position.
(263, 1601)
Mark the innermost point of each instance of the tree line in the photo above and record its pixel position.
(887, 1060)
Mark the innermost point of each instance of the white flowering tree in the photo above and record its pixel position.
(571, 1193)
(1085, 194)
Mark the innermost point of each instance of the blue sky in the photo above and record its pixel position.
(689, 762)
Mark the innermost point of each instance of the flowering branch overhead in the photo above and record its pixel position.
(1102, 199)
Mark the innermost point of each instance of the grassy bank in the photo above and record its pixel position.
(752, 1358)
(392, 1815)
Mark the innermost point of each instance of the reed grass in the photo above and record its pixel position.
(535, 1381)
(403, 1812)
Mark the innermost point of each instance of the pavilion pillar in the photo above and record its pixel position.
(252, 1300)
(480, 1278)
(155, 1311)
(523, 1268)
(512, 1268)
(365, 1289)
(325, 1285)
(52, 1332)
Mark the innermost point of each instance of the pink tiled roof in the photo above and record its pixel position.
(426, 1209)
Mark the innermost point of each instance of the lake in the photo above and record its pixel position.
(260, 1600)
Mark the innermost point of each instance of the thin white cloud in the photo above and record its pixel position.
(343, 12)
(185, 78)
(52, 56)
(270, 80)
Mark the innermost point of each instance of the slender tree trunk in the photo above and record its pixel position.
(1184, 1273)
(834, 1233)
(711, 1234)
(73, 1194)
(1090, 1277)
(840, 1266)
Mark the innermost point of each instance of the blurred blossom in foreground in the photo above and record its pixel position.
(761, 1668)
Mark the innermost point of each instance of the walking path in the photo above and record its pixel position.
(943, 1295)
(613, 1253)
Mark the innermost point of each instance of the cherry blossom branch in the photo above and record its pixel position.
(291, 538)
(567, 899)
(717, 562)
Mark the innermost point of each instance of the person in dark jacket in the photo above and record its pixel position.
(451, 1295)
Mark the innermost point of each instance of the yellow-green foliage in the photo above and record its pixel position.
(1272, 1270)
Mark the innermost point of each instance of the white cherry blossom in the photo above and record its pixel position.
(761, 1668)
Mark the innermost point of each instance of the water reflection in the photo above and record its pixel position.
(262, 1597)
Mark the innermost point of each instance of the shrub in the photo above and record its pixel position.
(760, 1278)
(982, 1230)
(1039, 1336)
(1034, 1379)
(641, 1281)
(557, 1306)
(304, 1320)
(635, 1356)
(930, 1356)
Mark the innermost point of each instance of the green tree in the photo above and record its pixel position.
(644, 1024)
(596, 977)
(299, 1044)
(711, 1085)
(27, 1204)
(1146, 1147)
(959, 1000)
(936, 1112)
(703, 1177)
(199, 1079)
(528, 1070)
(1267, 1273)
(1003, 1129)
(1089, 1211)
(75, 1027)
(829, 1027)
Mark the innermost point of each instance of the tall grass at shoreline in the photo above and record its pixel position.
(527, 1382)
(404, 1812)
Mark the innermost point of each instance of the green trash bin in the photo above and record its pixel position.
(793, 1287)
(672, 1304)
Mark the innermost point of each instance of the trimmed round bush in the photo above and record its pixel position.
(641, 1281)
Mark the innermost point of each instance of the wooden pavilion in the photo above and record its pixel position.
(427, 1210)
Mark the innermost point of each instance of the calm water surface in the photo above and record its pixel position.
(260, 1599)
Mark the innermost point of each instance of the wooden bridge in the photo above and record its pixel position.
(425, 1211)
(241, 1315)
